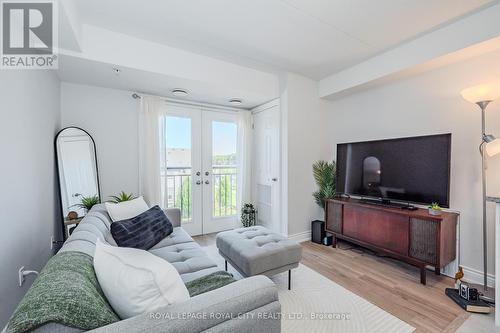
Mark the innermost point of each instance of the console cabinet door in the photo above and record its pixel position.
(334, 212)
(383, 229)
(423, 240)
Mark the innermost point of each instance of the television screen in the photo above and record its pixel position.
(415, 169)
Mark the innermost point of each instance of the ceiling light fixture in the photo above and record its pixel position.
(236, 101)
(179, 92)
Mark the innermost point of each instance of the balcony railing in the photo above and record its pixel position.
(176, 190)
(224, 190)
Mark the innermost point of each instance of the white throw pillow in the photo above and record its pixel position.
(135, 281)
(127, 209)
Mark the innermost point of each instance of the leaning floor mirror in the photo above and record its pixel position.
(78, 175)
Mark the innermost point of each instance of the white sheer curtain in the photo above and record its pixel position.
(245, 138)
(151, 148)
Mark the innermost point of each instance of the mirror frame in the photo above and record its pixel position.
(59, 177)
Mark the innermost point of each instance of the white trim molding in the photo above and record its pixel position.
(189, 103)
(266, 106)
(472, 275)
(301, 236)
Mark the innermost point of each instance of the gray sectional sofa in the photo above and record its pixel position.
(247, 305)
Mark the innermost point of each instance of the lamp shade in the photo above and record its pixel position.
(481, 93)
(493, 148)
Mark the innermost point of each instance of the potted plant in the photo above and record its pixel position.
(248, 215)
(435, 209)
(86, 203)
(121, 197)
(324, 176)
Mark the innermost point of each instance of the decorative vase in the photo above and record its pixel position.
(72, 215)
(248, 215)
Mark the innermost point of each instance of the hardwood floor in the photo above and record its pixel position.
(389, 284)
(205, 240)
(392, 285)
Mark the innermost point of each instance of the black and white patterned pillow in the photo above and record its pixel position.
(143, 231)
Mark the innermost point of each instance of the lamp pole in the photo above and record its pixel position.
(483, 105)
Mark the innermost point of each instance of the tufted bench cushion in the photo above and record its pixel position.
(257, 250)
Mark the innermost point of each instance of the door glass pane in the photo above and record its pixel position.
(224, 168)
(176, 166)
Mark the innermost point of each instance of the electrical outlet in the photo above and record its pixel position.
(20, 275)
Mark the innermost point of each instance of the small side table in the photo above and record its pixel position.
(69, 223)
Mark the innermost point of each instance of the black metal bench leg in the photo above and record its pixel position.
(289, 279)
(225, 264)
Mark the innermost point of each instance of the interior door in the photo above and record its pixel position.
(266, 166)
(220, 171)
(181, 166)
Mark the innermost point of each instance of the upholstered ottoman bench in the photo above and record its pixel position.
(259, 251)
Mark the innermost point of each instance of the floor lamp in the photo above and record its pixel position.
(483, 95)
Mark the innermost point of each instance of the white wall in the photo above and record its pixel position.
(111, 117)
(304, 116)
(427, 104)
(29, 113)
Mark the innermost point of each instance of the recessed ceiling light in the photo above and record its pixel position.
(236, 101)
(179, 92)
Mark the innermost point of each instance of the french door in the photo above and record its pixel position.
(200, 173)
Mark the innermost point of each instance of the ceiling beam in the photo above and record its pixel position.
(105, 46)
(475, 33)
(69, 26)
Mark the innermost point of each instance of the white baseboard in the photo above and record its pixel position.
(472, 275)
(301, 236)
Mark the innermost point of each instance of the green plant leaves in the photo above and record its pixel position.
(88, 202)
(324, 176)
(435, 206)
(121, 197)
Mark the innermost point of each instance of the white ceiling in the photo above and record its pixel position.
(95, 73)
(315, 38)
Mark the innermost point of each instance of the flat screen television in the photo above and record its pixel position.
(409, 170)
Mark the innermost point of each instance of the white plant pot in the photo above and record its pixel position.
(434, 211)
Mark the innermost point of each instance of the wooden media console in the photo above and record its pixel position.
(412, 236)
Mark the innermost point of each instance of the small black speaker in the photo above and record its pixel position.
(317, 231)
